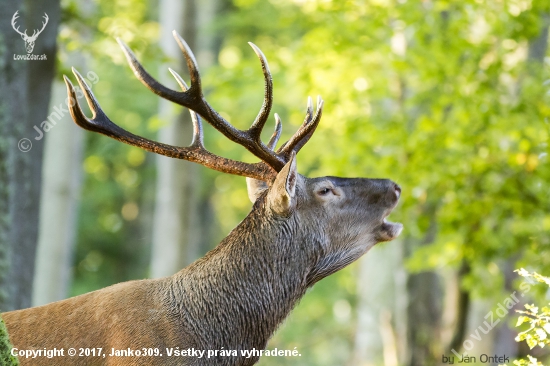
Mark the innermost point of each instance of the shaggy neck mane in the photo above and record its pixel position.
(255, 275)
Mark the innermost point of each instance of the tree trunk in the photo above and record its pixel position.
(178, 230)
(62, 175)
(24, 99)
(462, 310)
(62, 179)
(376, 338)
(425, 308)
(539, 45)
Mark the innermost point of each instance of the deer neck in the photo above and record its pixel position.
(245, 286)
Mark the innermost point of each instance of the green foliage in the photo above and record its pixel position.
(538, 321)
(6, 358)
(441, 96)
(531, 361)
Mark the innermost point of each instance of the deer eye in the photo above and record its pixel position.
(324, 191)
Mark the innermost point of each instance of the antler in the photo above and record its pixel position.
(35, 34)
(306, 130)
(195, 152)
(192, 98)
(13, 19)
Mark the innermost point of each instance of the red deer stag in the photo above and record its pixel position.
(299, 231)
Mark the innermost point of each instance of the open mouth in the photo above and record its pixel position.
(390, 230)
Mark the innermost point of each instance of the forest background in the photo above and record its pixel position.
(450, 99)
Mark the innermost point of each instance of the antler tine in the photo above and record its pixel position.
(156, 87)
(102, 124)
(179, 79)
(198, 137)
(192, 64)
(276, 134)
(74, 108)
(92, 102)
(307, 120)
(259, 123)
(306, 130)
(309, 110)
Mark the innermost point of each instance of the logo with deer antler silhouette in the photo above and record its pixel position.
(29, 40)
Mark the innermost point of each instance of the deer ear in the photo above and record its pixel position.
(281, 196)
(255, 188)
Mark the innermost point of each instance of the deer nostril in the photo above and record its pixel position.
(397, 190)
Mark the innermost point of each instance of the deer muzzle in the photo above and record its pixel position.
(391, 230)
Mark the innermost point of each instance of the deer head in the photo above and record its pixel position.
(29, 40)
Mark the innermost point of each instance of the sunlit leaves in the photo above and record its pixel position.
(537, 320)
